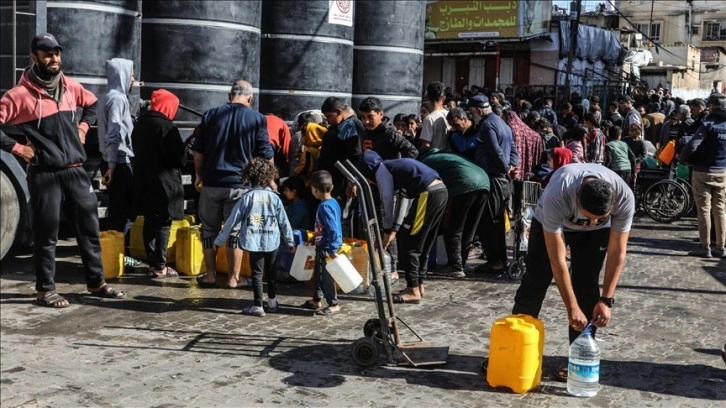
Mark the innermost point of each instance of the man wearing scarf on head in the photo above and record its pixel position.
(43, 106)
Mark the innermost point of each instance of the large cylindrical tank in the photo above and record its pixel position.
(92, 32)
(388, 54)
(305, 58)
(197, 49)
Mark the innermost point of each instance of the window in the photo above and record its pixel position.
(714, 31)
(655, 30)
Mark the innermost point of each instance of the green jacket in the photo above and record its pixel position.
(459, 174)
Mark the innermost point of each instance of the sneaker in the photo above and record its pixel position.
(719, 252)
(253, 311)
(701, 252)
(448, 272)
(475, 252)
(272, 305)
(131, 262)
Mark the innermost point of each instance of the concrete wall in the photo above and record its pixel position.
(672, 15)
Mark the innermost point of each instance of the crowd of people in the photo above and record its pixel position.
(456, 170)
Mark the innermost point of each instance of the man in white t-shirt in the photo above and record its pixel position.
(589, 208)
(435, 127)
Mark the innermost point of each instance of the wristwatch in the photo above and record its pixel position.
(609, 301)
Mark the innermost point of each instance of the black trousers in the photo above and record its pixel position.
(466, 211)
(418, 233)
(587, 255)
(120, 196)
(156, 239)
(262, 265)
(491, 226)
(69, 189)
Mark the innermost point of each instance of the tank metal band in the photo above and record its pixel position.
(94, 7)
(296, 92)
(313, 38)
(390, 97)
(384, 48)
(200, 23)
(193, 86)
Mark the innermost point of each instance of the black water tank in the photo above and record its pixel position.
(305, 58)
(388, 57)
(92, 32)
(196, 49)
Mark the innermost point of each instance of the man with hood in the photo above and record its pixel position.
(158, 193)
(114, 142)
(43, 106)
(416, 224)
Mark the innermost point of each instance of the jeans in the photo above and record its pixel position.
(324, 282)
(709, 193)
(49, 192)
(418, 233)
(587, 255)
(261, 264)
(156, 240)
(466, 211)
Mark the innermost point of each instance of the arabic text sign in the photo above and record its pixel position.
(471, 19)
(341, 12)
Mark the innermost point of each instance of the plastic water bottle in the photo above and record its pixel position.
(583, 369)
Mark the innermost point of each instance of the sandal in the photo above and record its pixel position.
(52, 300)
(242, 283)
(107, 292)
(202, 284)
(398, 298)
(170, 273)
(309, 305)
(327, 311)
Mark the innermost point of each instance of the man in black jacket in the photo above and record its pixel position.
(341, 142)
(382, 137)
(43, 106)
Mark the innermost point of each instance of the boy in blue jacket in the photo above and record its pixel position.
(328, 239)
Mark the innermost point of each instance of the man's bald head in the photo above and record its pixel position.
(241, 92)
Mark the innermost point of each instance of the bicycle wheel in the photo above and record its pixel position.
(665, 201)
(691, 201)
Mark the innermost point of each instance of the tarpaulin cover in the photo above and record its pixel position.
(593, 44)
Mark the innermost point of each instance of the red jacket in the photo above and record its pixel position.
(50, 125)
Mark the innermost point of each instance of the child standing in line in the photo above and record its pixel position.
(297, 212)
(328, 239)
(260, 217)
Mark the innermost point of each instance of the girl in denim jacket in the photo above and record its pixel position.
(255, 225)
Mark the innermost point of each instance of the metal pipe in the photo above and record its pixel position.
(496, 82)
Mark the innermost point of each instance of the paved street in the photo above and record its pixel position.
(172, 344)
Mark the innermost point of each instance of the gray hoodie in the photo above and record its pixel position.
(114, 114)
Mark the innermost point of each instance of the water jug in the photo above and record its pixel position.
(344, 273)
(516, 343)
(583, 368)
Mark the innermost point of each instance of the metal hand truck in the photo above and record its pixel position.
(382, 333)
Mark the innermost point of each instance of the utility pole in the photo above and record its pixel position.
(575, 7)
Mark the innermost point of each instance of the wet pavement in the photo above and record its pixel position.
(171, 343)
